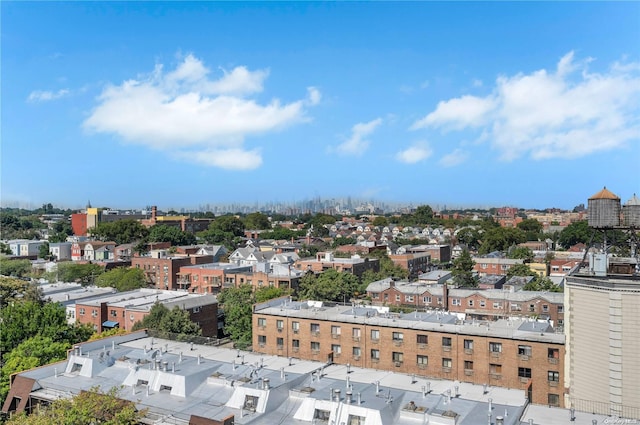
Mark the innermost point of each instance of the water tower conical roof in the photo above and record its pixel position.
(605, 194)
(633, 201)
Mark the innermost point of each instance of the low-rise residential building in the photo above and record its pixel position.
(161, 269)
(325, 261)
(438, 253)
(414, 262)
(25, 247)
(516, 353)
(124, 309)
(494, 265)
(61, 251)
(180, 383)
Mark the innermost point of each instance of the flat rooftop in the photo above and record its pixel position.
(435, 321)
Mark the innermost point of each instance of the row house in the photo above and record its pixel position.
(124, 309)
(61, 251)
(407, 294)
(521, 354)
(280, 276)
(481, 304)
(493, 304)
(161, 270)
(492, 265)
(207, 278)
(325, 261)
(25, 247)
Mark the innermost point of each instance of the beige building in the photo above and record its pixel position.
(602, 324)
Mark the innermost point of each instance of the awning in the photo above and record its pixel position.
(110, 324)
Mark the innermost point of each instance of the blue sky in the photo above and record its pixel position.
(180, 104)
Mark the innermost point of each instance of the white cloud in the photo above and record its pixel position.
(189, 115)
(357, 143)
(47, 95)
(454, 158)
(314, 95)
(566, 113)
(415, 153)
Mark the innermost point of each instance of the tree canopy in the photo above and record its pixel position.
(521, 252)
(163, 320)
(74, 272)
(257, 221)
(171, 234)
(87, 408)
(121, 231)
(122, 278)
(330, 285)
(462, 270)
(500, 239)
(15, 268)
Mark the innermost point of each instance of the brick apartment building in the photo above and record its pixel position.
(491, 265)
(325, 261)
(526, 355)
(161, 269)
(415, 263)
(481, 304)
(438, 253)
(124, 309)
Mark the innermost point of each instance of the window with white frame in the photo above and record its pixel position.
(375, 334)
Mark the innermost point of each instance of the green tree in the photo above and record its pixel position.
(380, 221)
(423, 215)
(462, 271)
(520, 270)
(173, 235)
(532, 228)
(279, 232)
(330, 285)
(164, 321)
(121, 231)
(343, 241)
(237, 306)
(74, 272)
(542, 284)
(87, 408)
(576, 232)
(32, 352)
(266, 293)
(17, 290)
(62, 229)
(122, 278)
(469, 236)
(257, 221)
(521, 252)
(500, 239)
(15, 268)
(43, 251)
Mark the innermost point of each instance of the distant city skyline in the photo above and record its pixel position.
(180, 104)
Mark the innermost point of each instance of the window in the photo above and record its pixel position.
(422, 361)
(336, 348)
(397, 357)
(280, 343)
(446, 363)
(553, 376)
(335, 331)
(455, 301)
(397, 297)
(426, 300)
(545, 308)
(81, 312)
(355, 333)
(422, 339)
(516, 307)
(468, 345)
(279, 325)
(375, 295)
(295, 344)
(262, 322)
(495, 347)
(375, 334)
(250, 402)
(262, 340)
(295, 326)
(315, 328)
(532, 307)
(497, 306)
(553, 399)
(553, 353)
(356, 352)
(446, 341)
(524, 350)
(495, 369)
(524, 372)
(560, 309)
(470, 303)
(315, 346)
(94, 313)
(114, 313)
(398, 336)
(375, 355)
(356, 420)
(483, 303)
(468, 365)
